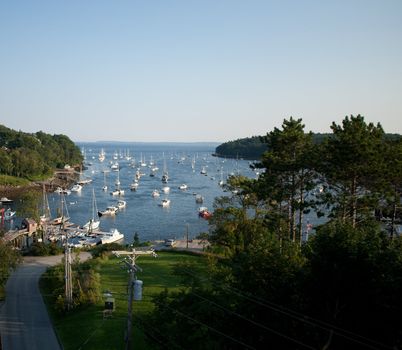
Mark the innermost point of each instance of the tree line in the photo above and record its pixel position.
(254, 147)
(35, 155)
(269, 287)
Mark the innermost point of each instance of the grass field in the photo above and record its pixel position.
(13, 181)
(86, 328)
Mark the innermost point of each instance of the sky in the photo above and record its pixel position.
(197, 70)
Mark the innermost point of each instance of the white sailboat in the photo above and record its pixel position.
(45, 217)
(64, 216)
(118, 191)
(165, 176)
(193, 164)
(93, 223)
(104, 188)
(102, 155)
(142, 161)
(221, 182)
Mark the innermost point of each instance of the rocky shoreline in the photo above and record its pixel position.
(62, 179)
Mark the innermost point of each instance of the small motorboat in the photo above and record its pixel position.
(121, 204)
(76, 188)
(109, 211)
(165, 203)
(204, 213)
(110, 237)
(199, 198)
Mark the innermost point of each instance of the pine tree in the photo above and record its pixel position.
(351, 162)
(288, 175)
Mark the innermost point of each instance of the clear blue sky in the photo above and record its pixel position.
(205, 70)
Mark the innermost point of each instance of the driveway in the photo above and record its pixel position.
(24, 321)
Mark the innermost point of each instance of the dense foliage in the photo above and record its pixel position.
(254, 147)
(267, 287)
(9, 259)
(247, 148)
(85, 281)
(33, 155)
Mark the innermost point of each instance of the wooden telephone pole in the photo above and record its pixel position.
(130, 263)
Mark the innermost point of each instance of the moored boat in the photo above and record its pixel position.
(204, 213)
(165, 203)
(109, 211)
(121, 204)
(110, 237)
(76, 188)
(199, 198)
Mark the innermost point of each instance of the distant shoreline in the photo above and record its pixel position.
(233, 157)
(201, 143)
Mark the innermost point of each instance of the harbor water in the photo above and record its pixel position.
(143, 214)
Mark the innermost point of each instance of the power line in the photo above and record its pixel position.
(210, 328)
(251, 321)
(300, 316)
(255, 323)
(90, 336)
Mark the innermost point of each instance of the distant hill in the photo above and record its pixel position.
(30, 156)
(253, 147)
(247, 148)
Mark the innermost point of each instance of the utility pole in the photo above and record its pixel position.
(130, 263)
(68, 287)
(187, 237)
(67, 271)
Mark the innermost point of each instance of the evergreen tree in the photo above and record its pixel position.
(392, 177)
(288, 176)
(351, 162)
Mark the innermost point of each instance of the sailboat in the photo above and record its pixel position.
(193, 164)
(165, 176)
(94, 222)
(64, 216)
(221, 183)
(102, 155)
(45, 217)
(117, 191)
(104, 188)
(142, 161)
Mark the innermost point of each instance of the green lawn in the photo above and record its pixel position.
(86, 329)
(13, 181)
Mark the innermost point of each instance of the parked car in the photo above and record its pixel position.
(170, 242)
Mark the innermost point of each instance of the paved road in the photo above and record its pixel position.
(24, 322)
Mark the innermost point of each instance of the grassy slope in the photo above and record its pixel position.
(7, 180)
(86, 328)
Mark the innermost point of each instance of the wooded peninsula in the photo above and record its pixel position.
(34, 156)
(253, 147)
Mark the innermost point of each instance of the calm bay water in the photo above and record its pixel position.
(143, 214)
